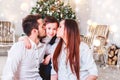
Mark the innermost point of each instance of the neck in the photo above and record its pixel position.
(34, 39)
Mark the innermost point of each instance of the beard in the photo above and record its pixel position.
(41, 37)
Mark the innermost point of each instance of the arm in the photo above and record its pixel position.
(91, 77)
(13, 60)
(47, 59)
(26, 41)
(87, 64)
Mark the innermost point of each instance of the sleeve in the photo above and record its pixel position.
(51, 48)
(71, 76)
(21, 38)
(87, 61)
(13, 60)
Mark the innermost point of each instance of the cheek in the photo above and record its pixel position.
(60, 33)
(47, 31)
(42, 31)
(55, 32)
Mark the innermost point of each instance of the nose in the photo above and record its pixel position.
(44, 27)
(57, 29)
(51, 31)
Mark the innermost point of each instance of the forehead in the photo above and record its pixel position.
(40, 21)
(52, 25)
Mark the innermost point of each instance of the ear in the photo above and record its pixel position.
(34, 31)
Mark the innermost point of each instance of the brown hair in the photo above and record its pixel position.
(30, 22)
(73, 39)
(50, 19)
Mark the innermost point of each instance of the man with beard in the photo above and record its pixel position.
(23, 63)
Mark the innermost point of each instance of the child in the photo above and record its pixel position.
(46, 67)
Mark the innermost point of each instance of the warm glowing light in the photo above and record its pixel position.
(113, 28)
(2, 15)
(24, 6)
(94, 24)
(108, 16)
(96, 42)
(77, 1)
(89, 22)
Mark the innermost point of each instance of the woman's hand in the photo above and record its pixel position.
(91, 77)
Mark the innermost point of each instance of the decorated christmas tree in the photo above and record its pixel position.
(54, 8)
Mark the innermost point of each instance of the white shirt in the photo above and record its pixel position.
(87, 64)
(50, 50)
(22, 63)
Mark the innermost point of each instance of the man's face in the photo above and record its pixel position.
(41, 28)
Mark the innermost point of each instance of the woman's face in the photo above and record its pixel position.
(61, 30)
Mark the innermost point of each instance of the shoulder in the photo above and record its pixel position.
(18, 46)
(84, 49)
(46, 39)
(83, 46)
(17, 49)
(57, 40)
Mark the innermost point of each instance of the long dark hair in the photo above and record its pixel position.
(73, 39)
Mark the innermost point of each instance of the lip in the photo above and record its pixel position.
(51, 35)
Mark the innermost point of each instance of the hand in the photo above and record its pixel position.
(92, 77)
(47, 59)
(26, 41)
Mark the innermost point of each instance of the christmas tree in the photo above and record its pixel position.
(54, 8)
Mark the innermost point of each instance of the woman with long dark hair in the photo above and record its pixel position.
(72, 58)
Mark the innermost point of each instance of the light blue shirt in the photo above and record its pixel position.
(22, 63)
(87, 64)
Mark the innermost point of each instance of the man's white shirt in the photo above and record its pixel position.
(22, 63)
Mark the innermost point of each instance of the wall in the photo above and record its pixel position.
(14, 11)
(94, 11)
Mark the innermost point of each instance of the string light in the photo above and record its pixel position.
(96, 42)
(89, 22)
(113, 28)
(24, 6)
(77, 1)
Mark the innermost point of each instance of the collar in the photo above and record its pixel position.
(46, 39)
(34, 45)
